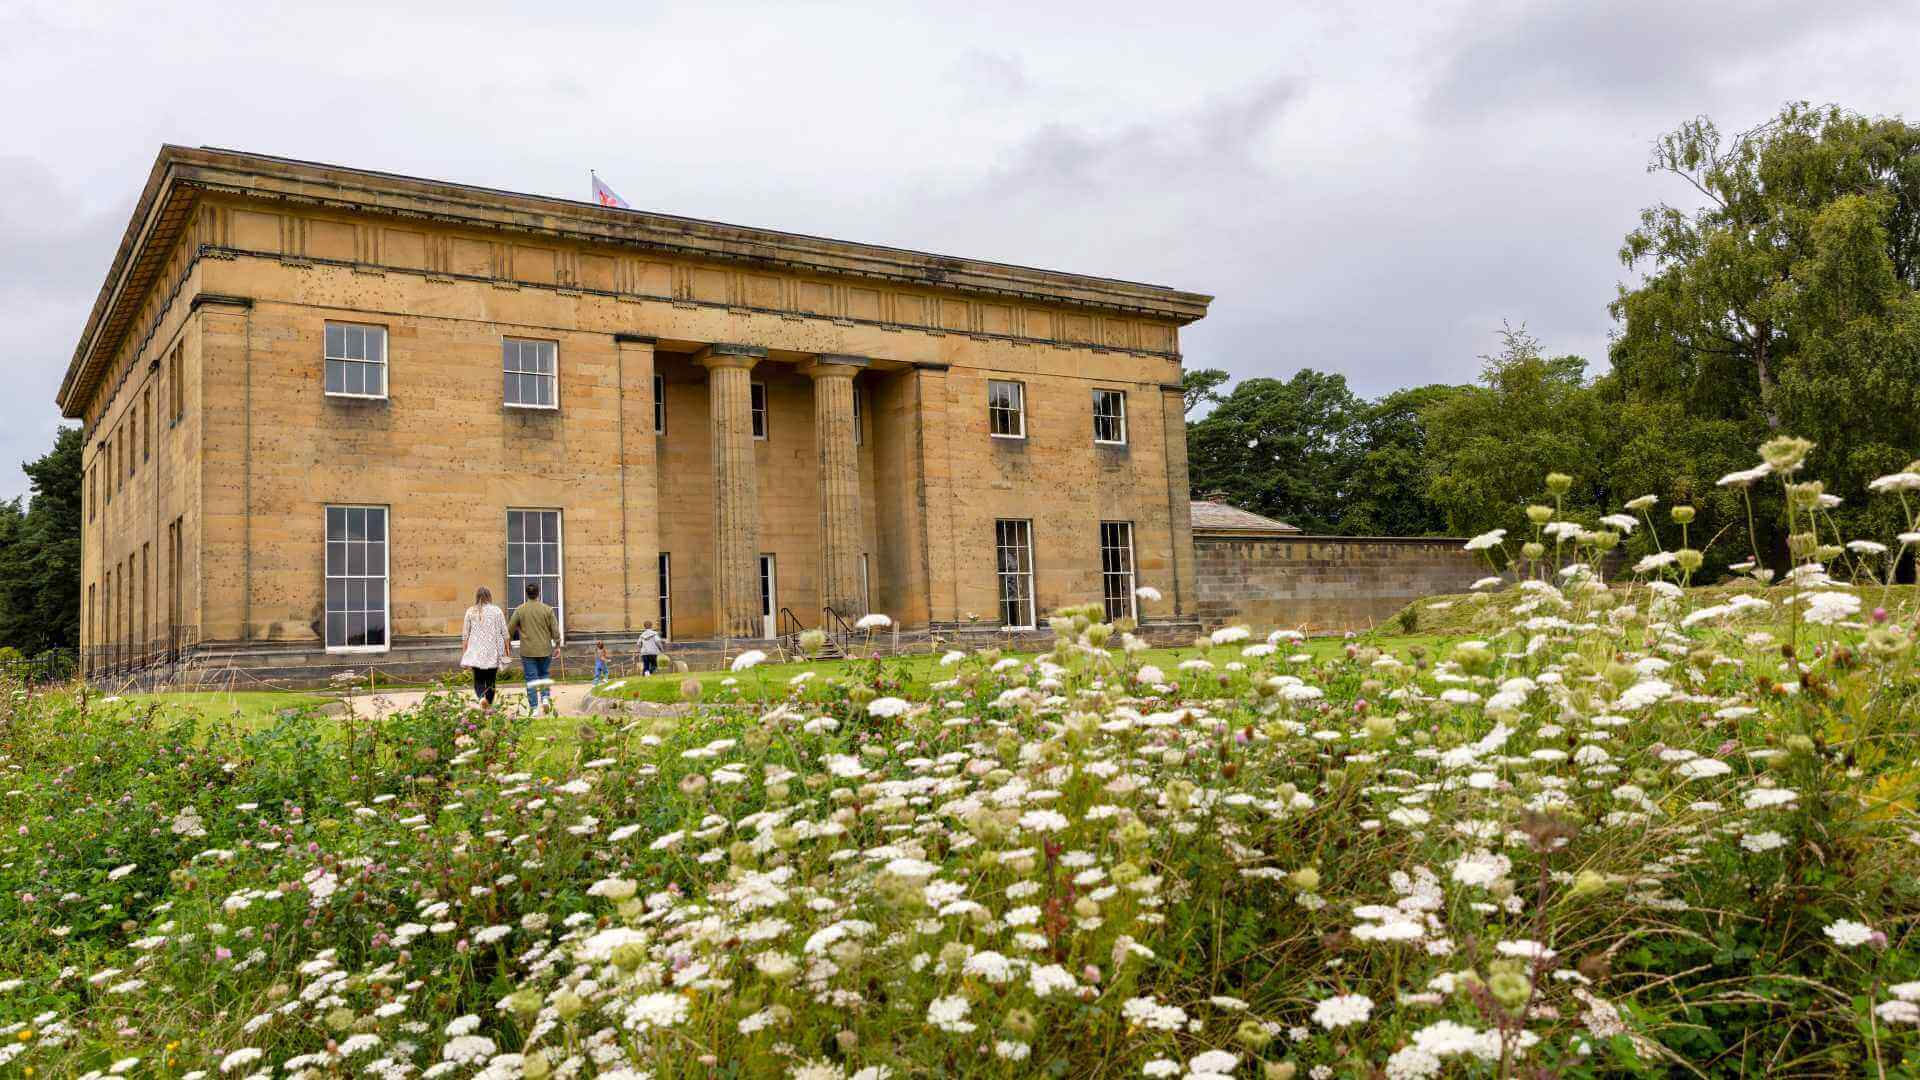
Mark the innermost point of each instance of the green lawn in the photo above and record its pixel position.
(916, 671)
(249, 708)
(256, 708)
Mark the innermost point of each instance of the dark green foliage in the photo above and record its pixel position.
(40, 554)
(1284, 449)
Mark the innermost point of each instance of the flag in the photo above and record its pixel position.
(604, 195)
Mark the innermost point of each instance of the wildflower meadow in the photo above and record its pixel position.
(1627, 828)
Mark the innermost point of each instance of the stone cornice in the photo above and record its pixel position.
(181, 174)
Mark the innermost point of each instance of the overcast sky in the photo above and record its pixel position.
(1368, 189)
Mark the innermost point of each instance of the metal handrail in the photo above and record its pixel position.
(839, 629)
(790, 625)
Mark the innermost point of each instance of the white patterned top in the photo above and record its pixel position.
(485, 632)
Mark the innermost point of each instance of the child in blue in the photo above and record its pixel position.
(600, 664)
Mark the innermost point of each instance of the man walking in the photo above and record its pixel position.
(537, 629)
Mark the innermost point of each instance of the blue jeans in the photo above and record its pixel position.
(535, 667)
(599, 670)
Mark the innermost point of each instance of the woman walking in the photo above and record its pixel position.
(483, 643)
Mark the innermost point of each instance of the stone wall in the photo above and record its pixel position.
(1323, 584)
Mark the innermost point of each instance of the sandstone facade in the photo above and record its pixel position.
(822, 403)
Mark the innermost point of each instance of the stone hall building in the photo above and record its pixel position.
(322, 405)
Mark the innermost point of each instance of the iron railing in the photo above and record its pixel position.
(54, 665)
(128, 657)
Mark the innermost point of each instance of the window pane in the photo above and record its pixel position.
(356, 628)
(356, 378)
(376, 594)
(336, 593)
(337, 628)
(357, 523)
(376, 628)
(336, 376)
(546, 389)
(377, 344)
(510, 354)
(516, 526)
(550, 557)
(377, 558)
(336, 558)
(336, 340)
(356, 559)
(377, 379)
(336, 523)
(377, 524)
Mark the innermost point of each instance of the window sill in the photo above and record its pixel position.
(357, 650)
(529, 408)
(355, 397)
(1110, 442)
(1008, 438)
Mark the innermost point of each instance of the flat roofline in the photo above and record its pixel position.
(660, 215)
(179, 173)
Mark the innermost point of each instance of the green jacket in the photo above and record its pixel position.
(534, 624)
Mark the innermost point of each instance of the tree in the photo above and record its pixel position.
(1387, 489)
(1201, 386)
(1787, 303)
(1278, 448)
(1491, 446)
(40, 553)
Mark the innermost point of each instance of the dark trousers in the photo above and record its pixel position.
(648, 662)
(535, 667)
(483, 683)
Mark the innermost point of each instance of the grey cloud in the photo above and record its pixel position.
(1628, 54)
(991, 76)
(1368, 191)
(1223, 133)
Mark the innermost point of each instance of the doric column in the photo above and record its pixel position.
(736, 494)
(833, 436)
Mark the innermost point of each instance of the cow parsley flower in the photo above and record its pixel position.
(1847, 933)
(1827, 608)
(1486, 540)
(1343, 1010)
(949, 1014)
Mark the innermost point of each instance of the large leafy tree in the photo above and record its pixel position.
(40, 553)
(1201, 386)
(1387, 488)
(1490, 446)
(1280, 448)
(1786, 301)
